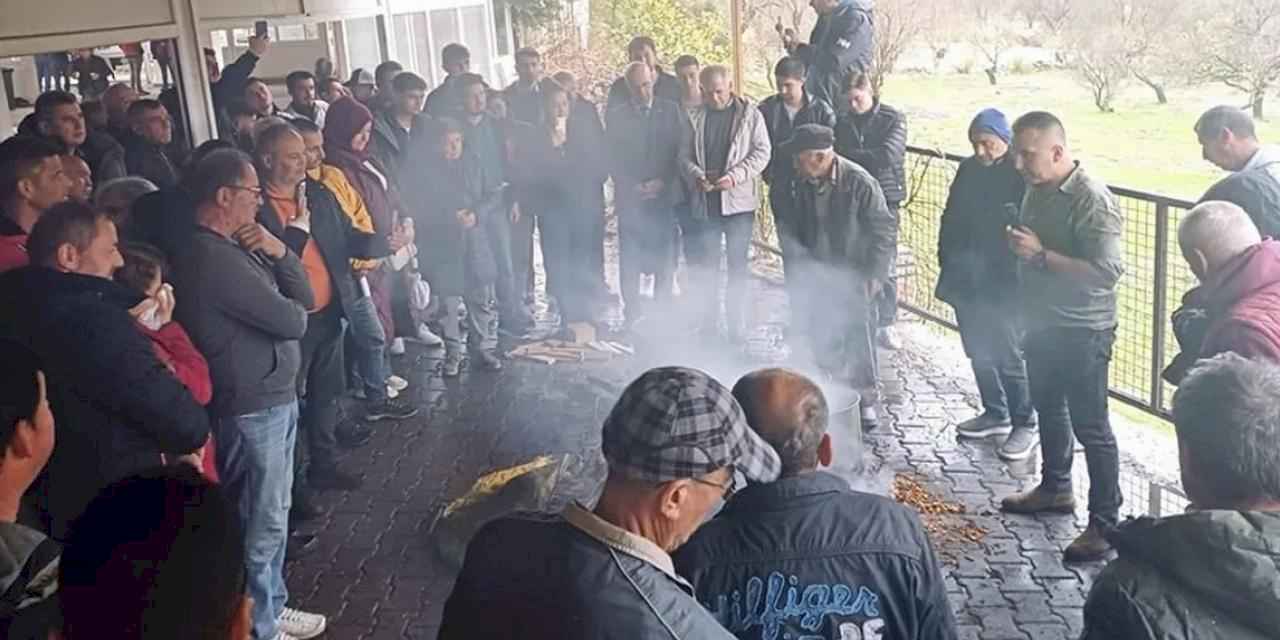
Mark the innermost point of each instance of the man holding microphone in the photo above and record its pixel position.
(1069, 243)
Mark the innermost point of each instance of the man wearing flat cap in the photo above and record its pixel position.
(841, 239)
(675, 442)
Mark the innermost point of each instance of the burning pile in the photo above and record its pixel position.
(943, 520)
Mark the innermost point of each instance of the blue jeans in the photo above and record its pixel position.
(255, 464)
(370, 346)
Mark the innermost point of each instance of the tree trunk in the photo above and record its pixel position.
(991, 75)
(1161, 96)
(1258, 99)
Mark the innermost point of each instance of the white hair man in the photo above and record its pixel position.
(1236, 308)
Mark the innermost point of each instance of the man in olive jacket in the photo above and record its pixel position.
(1212, 572)
(845, 236)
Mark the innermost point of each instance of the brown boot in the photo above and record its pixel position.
(1039, 500)
(1090, 546)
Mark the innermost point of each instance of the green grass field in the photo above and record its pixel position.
(1143, 145)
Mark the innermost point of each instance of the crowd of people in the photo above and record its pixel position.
(192, 318)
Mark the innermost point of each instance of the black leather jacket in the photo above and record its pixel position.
(877, 140)
(807, 557)
(813, 111)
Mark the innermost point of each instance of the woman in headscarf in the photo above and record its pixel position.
(347, 130)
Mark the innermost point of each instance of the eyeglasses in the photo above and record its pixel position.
(727, 488)
(256, 191)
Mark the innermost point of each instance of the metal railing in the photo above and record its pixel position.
(1155, 277)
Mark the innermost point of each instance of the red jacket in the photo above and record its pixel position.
(174, 348)
(13, 245)
(1243, 304)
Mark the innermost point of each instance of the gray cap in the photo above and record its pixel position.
(674, 423)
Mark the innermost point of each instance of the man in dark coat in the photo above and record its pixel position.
(1209, 573)
(59, 119)
(394, 125)
(842, 42)
(791, 107)
(808, 530)
(558, 174)
(665, 85)
(227, 84)
(146, 154)
(979, 276)
(119, 407)
(1236, 308)
(446, 99)
(585, 118)
(874, 135)
(526, 100)
(1230, 142)
(645, 136)
(845, 236)
(450, 194)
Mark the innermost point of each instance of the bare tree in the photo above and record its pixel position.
(1237, 43)
(898, 23)
(1153, 32)
(1050, 17)
(992, 33)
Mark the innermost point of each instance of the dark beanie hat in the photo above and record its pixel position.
(991, 121)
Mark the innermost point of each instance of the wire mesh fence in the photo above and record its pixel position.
(1156, 277)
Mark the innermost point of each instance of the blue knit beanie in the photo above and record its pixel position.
(991, 121)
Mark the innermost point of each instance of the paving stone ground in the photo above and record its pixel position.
(377, 576)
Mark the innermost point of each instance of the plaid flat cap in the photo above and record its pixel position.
(673, 423)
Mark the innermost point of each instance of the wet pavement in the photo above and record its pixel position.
(382, 567)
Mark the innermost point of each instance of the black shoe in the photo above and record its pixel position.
(486, 360)
(333, 479)
(1090, 546)
(354, 436)
(389, 410)
(301, 545)
(304, 509)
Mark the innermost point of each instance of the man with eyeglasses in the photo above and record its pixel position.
(855, 565)
(673, 443)
(243, 297)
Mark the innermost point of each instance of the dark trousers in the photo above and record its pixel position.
(1068, 373)
(320, 385)
(498, 229)
(567, 245)
(703, 240)
(840, 325)
(993, 342)
(522, 253)
(646, 242)
(886, 302)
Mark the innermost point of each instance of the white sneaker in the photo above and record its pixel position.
(425, 336)
(397, 347)
(397, 383)
(392, 393)
(284, 636)
(300, 624)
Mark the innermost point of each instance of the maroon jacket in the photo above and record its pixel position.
(1243, 304)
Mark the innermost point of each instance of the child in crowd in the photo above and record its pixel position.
(143, 271)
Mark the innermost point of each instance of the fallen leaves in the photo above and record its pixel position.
(944, 521)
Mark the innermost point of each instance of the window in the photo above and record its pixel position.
(291, 33)
(501, 26)
(475, 35)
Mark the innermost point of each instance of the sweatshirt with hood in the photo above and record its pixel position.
(1207, 575)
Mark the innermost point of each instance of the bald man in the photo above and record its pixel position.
(857, 565)
(1236, 308)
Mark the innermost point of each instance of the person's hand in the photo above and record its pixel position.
(193, 459)
(255, 238)
(704, 185)
(1024, 242)
(466, 218)
(165, 303)
(724, 184)
(143, 308)
(303, 218)
(258, 45)
(515, 213)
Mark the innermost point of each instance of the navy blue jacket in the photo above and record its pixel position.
(807, 557)
(841, 42)
(973, 252)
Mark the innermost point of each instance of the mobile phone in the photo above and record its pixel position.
(260, 28)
